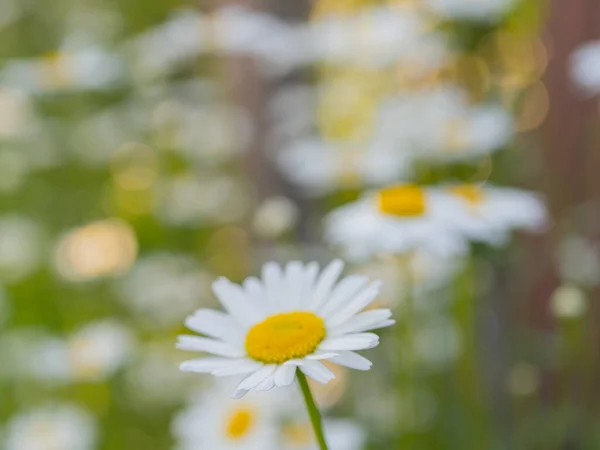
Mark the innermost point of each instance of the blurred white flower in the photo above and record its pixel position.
(568, 302)
(488, 213)
(154, 380)
(92, 353)
(100, 249)
(585, 67)
(30, 353)
(339, 435)
(265, 421)
(51, 427)
(174, 124)
(578, 260)
(418, 273)
(293, 319)
(21, 247)
(89, 68)
(161, 288)
(97, 350)
(438, 124)
(321, 167)
(377, 37)
(16, 113)
(275, 216)
(523, 379)
(215, 421)
(89, 25)
(279, 46)
(166, 47)
(95, 138)
(395, 220)
(480, 10)
(191, 200)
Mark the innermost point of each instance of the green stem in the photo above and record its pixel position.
(313, 411)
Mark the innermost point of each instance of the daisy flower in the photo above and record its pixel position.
(320, 167)
(585, 67)
(214, 422)
(488, 214)
(292, 319)
(395, 220)
(84, 69)
(58, 426)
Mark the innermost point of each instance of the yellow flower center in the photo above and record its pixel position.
(297, 434)
(473, 194)
(404, 201)
(285, 336)
(240, 423)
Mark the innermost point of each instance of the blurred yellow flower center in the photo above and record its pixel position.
(469, 192)
(404, 201)
(297, 435)
(239, 423)
(285, 336)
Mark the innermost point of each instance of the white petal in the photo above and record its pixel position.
(343, 293)
(285, 375)
(257, 293)
(253, 380)
(325, 282)
(317, 371)
(204, 365)
(201, 344)
(235, 302)
(239, 393)
(273, 280)
(267, 384)
(321, 355)
(239, 367)
(357, 304)
(352, 360)
(293, 284)
(311, 272)
(360, 322)
(358, 341)
(215, 324)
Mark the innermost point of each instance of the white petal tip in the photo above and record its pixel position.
(239, 394)
(185, 367)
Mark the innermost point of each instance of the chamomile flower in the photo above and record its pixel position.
(488, 214)
(291, 319)
(67, 69)
(395, 220)
(585, 67)
(51, 427)
(320, 167)
(214, 422)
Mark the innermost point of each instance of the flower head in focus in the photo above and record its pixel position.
(292, 319)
